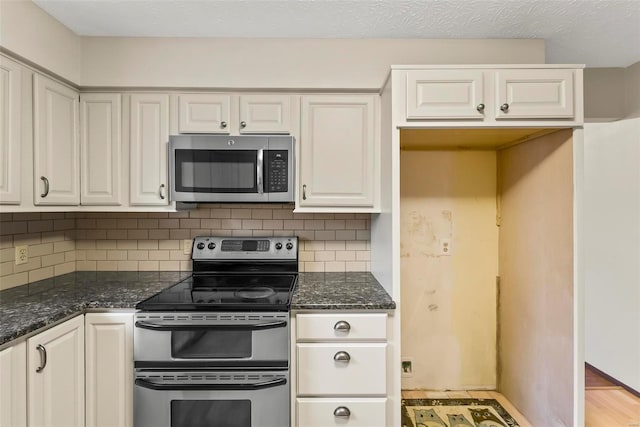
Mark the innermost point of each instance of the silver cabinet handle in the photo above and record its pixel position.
(304, 192)
(46, 186)
(480, 107)
(43, 358)
(504, 108)
(223, 125)
(342, 326)
(342, 411)
(162, 191)
(342, 356)
(243, 124)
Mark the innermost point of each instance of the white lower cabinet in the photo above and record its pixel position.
(109, 369)
(13, 386)
(341, 369)
(353, 412)
(56, 376)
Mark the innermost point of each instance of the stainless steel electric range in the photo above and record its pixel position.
(213, 350)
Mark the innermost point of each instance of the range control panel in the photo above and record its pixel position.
(266, 248)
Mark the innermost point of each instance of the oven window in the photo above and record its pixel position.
(199, 344)
(210, 413)
(216, 171)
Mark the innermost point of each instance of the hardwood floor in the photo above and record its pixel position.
(607, 404)
(427, 394)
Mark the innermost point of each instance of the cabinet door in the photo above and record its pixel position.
(204, 113)
(445, 94)
(109, 371)
(148, 149)
(100, 148)
(337, 151)
(266, 114)
(13, 386)
(314, 412)
(56, 148)
(534, 94)
(56, 376)
(10, 131)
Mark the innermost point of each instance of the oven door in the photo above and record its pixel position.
(211, 339)
(217, 169)
(211, 399)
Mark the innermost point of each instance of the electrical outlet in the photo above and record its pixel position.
(407, 367)
(186, 246)
(445, 246)
(22, 254)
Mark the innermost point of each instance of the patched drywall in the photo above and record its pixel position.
(536, 278)
(449, 301)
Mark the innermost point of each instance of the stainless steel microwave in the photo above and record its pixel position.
(219, 168)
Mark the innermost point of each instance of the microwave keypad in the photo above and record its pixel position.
(277, 171)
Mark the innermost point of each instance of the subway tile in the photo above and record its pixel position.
(30, 239)
(305, 234)
(305, 256)
(67, 267)
(262, 233)
(345, 216)
(40, 274)
(323, 216)
(27, 216)
(13, 227)
(5, 217)
(356, 266)
(252, 224)
(64, 246)
(221, 213)
(86, 244)
(314, 267)
(200, 213)
(41, 249)
(363, 256)
(14, 280)
(242, 233)
(241, 213)
(127, 244)
(148, 223)
(169, 266)
(325, 256)
(147, 244)
(355, 224)
(334, 224)
(335, 245)
(138, 255)
(261, 214)
(185, 265)
(86, 265)
(159, 234)
(6, 242)
(231, 224)
(325, 235)
(116, 234)
(199, 232)
(127, 223)
(168, 244)
(210, 223)
(355, 246)
(40, 226)
(272, 224)
(86, 223)
(179, 234)
(96, 255)
(148, 266)
(293, 224)
(345, 255)
(297, 215)
(81, 255)
(181, 214)
(282, 214)
(283, 233)
(178, 255)
(363, 235)
(7, 254)
(118, 255)
(6, 268)
(314, 245)
(335, 266)
(311, 224)
(106, 223)
(106, 244)
(64, 224)
(158, 215)
(190, 223)
(159, 255)
(107, 265)
(96, 234)
(137, 234)
(128, 266)
(53, 259)
(70, 256)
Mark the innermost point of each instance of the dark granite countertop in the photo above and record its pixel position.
(25, 309)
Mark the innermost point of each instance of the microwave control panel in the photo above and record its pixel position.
(277, 179)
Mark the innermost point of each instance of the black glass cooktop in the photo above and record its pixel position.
(208, 292)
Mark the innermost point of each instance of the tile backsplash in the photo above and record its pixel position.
(63, 242)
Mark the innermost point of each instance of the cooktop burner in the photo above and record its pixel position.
(255, 293)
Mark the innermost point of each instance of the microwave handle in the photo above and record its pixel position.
(259, 171)
(198, 387)
(182, 327)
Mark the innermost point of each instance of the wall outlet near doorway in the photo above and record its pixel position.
(22, 254)
(186, 246)
(407, 367)
(444, 244)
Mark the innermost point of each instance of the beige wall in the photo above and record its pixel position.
(611, 93)
(60, 243)
(28, 31)
(536, 288)
(449, 302)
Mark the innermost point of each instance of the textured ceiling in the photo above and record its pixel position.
(603, 33)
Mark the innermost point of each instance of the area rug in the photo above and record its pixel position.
(455, 413)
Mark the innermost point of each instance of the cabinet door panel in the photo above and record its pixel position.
(319, 374)
(534, 94)
(56, 147)
(359, 326)
(337, 151)
(148, 149)
(316, 412)
(56, 393)
(445, 94)
(265, 114)
(13, 386)
(204, 113)
(101, 148)
(109, 371)
(10, 131)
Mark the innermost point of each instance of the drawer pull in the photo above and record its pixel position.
(342, 356)
(342, 326)
(342, 411)
(43, 358)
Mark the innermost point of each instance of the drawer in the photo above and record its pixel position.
(321, 373)
(342, 327)
(320, 412)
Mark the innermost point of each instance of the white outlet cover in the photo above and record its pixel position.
(22, 254)
(444, 244)
(186, 246)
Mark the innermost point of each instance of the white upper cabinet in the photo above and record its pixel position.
(337, 153)
(267, 114)
(101, 148)
(445, 94)
(148, 149)
(10, 131)
(56, 147)
(204, 113)
(56, 376)
(534, 94)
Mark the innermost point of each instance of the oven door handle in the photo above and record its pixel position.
(233, 327)
(210, 387)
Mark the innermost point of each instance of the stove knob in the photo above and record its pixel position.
(211, 245)
(278, 246)
(289, 245)
(200, 245)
